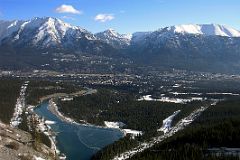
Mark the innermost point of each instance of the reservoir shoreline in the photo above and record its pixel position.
(75, 140)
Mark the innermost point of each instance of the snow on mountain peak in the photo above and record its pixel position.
(113, 33)
(112, 37)
(46, 31)
(205, 29)
(9, 27)
(140, 36)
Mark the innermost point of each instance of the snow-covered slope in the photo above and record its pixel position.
(201, 38)
(42, 32)
(205, 29)
(189, 29)
(193, 42)
(9, 27)
(112, 37)
(195, 47)
(139, 37)
(48, 32)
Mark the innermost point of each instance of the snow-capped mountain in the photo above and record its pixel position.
(52, 32)
(139, 36)
(48, 32)
(199, 47)
(180, 36)
(114, 38)
(9, 27)
(180, 46)
(189, 29)
(205, 29)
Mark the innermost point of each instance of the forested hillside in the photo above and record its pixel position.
(119, 106)
(9, 92)
(39, 89)
(113, 105)
(217, 127)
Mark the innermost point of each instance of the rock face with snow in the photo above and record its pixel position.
(115, 39)
(139, 37)
(195, 47)
(189, 29)
(208, 47)
(205, 29)
(48, 33)
(40, 31)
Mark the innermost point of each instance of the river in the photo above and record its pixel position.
(78, 142)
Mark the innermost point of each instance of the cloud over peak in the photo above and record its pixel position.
(104, 17)
(67, 9)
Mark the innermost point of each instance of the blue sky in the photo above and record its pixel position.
(126, 16)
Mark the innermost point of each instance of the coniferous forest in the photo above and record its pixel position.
(209, 137)
(217, 128)
(9, 92)
(117, 106)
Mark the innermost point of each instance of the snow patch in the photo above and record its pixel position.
(114, 124)
(179, 126)
(205, 29)
(216, 93)
(168, 122)
(133, 133)
(20, 105)
(50, 122)
(38, 158)
(119, 125)
(171, 100)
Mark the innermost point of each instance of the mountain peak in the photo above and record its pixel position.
(114, 38)
(49, 31)
(42, 32)
(111, 32)
(205, 29)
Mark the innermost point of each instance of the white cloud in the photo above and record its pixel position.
(67, 9)
(104, 17)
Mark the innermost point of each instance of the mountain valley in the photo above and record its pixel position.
(50, 44)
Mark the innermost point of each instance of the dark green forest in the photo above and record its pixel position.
(9, 92)
(217, 127)
(39, 89)
(112, 105)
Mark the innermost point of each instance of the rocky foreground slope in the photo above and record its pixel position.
(16, 144)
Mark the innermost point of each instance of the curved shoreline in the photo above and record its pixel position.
(45, 129)
(51, 107)
(54, 109)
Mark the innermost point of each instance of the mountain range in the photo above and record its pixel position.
(203, 47)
